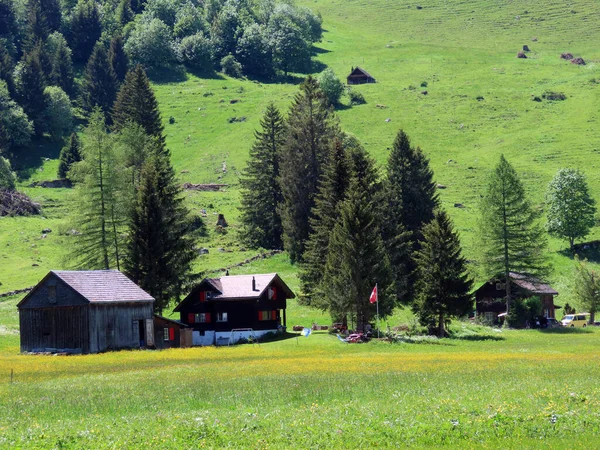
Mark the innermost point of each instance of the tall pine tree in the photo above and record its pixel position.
(357, 261)
(160, 247)
(69, 155)
(443, 289)
(86, 29)
(118, 58)
(261, 192)
(136, 103)
(311, 129)
(31, 90)
(409, 203)
(6, 70)
(512, 239)
(37, 28)
(100, 82)
(62, 68)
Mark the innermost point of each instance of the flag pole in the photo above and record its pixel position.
(377, 290)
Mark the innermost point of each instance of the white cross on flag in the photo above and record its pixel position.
(373, 297)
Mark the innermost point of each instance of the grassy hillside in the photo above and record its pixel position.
(478, 105)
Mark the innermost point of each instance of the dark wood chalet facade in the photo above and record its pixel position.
(490, 298)
(86, 311)
(359, 76)
(224, 310)
(169, 333)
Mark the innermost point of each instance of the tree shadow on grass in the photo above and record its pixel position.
(585, 250)
(27, 160)
(318, 50)
(206, 74)
(479, 337)
(567, 330)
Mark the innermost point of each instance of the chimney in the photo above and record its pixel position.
(227, 273)
(253, 284)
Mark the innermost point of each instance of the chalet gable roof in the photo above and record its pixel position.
(98, 286)
(358, 71)
(531, 284)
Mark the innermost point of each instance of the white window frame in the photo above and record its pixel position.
(221, 317)
(166, 334)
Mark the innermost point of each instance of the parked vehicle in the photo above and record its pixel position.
(552, 323)
(575, 320)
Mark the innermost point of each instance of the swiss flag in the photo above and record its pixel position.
(373, 297)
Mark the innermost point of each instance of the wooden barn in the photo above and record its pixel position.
(490, 298)
(359, 76)
(169, 333)
(224, 310)
(86, 311)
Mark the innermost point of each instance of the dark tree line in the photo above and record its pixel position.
(346, 226)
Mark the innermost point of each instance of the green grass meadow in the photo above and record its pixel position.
(483, 389)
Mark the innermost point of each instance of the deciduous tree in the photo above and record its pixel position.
(586, 287)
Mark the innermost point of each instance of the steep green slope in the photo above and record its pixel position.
(479, 103)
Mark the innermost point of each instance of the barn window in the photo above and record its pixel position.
(52, 294)
(165, 334)
(222, 317)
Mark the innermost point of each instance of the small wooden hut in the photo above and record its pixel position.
(171, 333)
(85, 312)
(359, 76)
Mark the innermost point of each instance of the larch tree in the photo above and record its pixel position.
(69, 155)
(312, 127)
(444, 286)
(160, 248)
(511, 238)
(261, 192)
(409, 202)
(357, 261)
(136, 103)
(100, 215)
(332, 191)
(100, 82)
(571, 209)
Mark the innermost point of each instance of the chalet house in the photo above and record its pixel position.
(359, 76)
(86, 311)
(224, 310)
(490, 298)
(169, 333)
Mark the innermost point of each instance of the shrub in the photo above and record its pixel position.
(356, 98)
(59, 115)
(195, 52)
(550, 95)
(230, 66)
(150, 44)
(7, 176)
(331, 86)
(15, 128)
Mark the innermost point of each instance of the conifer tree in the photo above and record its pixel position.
(357, 261)
(6, 70)
(332, 190)
(160, 249)
(125, 13)
(100, 217)
(311, 129)
(31, 90)
(136, 103)
(70, 154)
(85, 29)
(512, 239)
(52, 13)
(409, 202)
(261, 192)
(443, 289)
(117, 58)
(45, 61)
(62, 68)
(100, 83)
(37, 28)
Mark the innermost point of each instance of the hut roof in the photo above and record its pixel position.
(103, 286)
(530, 284)
(358, 71)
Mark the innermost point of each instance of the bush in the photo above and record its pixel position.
(7, 176)
(59, 115)
(331, 86)
(230, 66)
(196, 52)
(15, 128)
(150, 44)
(550, 95)
(356, 98)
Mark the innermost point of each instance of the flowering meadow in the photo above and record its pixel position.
(511, 389)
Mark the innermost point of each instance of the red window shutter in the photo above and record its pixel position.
(207, 317)
(202, 296)
(191, 318)
(273, 315)
(260, 316)
(274, 297)
(171, 334)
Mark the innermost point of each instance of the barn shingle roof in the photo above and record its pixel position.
(103, 286)
(530, 284)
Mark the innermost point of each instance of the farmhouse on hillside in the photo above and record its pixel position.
(490, 298)
(224, 310)
(85, 311)
(359, 76)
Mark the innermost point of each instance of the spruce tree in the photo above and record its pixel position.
(117, 58)
(37, 28)
(136, 103)
(124, 13)
(70, 154)
(62, 68)
(511, 238)
(31, 90)
(311, 129)
(409, 202)
(160, 247)
(332, 190)
(86, 29)
(52, 13)
(100, 83)
(443, 289)
(6, 69)
(100, 219)
(357, 261)
(261, 193)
